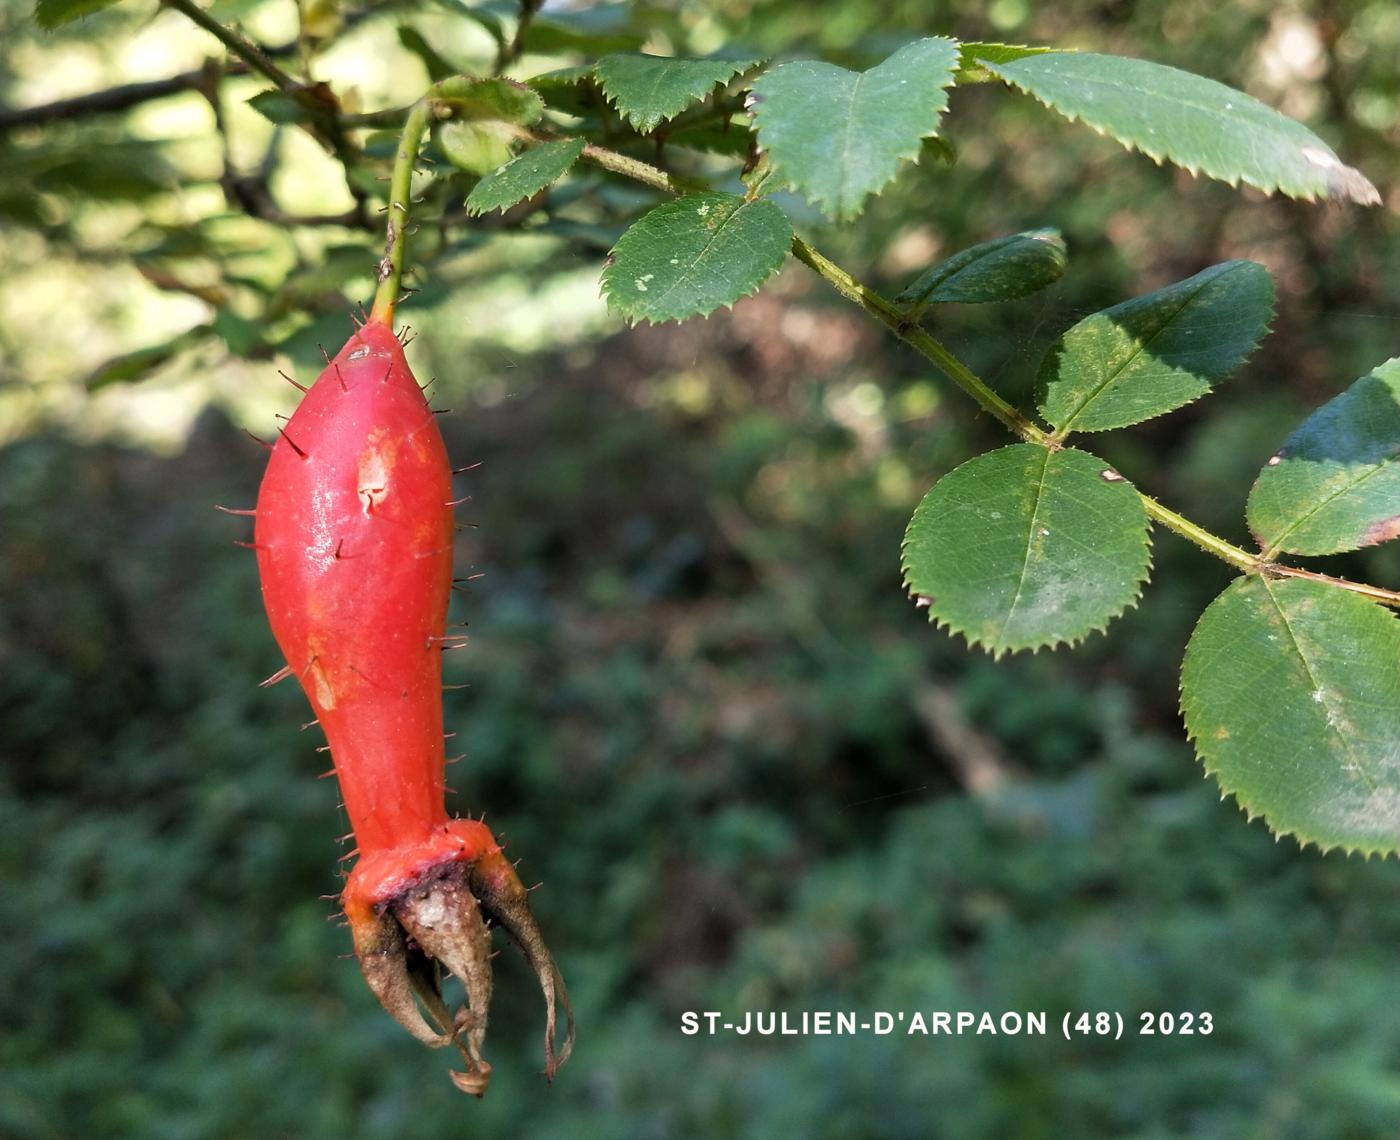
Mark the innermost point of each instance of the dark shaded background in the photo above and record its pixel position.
(747, 772)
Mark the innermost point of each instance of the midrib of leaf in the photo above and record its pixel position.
(654, 96)
(1277, 544)
(684, 277)
(846, 143)
(1314, 687)
(655, 87)
(1225, 113)
(1030, 542)
(1142, 347)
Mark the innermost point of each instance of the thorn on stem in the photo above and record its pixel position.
(281, 675)
(290, 442)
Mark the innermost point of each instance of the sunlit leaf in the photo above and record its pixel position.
(688, 257)
(1191, 121)
(504, 100)
(648, 89)
(1026, 547)
(123, 169)
(276, 107)
(477, 147)
(1291, 693)
(839, 136)
(50, 14)
(1155, 353)
(524, 176)
(1335, 483)
(973, 57)
(136, 365)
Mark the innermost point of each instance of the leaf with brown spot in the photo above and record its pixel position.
(1335, 483)
(1291, 692)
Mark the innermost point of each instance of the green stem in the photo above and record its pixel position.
(636, 170)
(934, 351)
(324, 125)
(244, 49)
(508, 53)
(927, 345)
(400, 198)
(435, 103)
(1211, 543)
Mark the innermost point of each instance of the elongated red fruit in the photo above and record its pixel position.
(354, 545)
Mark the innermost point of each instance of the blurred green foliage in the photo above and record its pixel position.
(700, 708)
